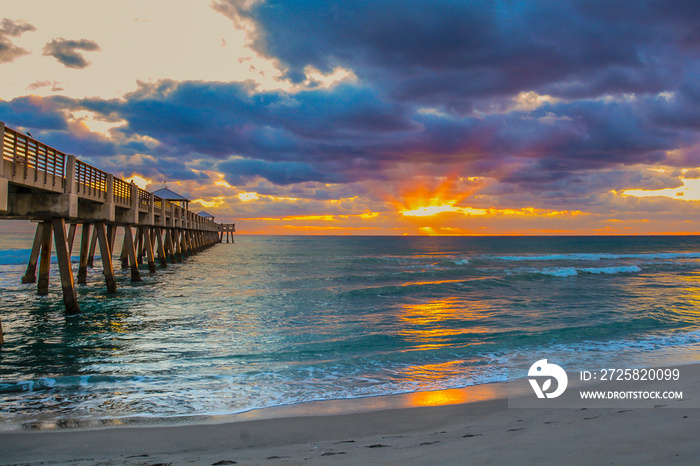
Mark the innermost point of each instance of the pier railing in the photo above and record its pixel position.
(91, 181)
(31, 163)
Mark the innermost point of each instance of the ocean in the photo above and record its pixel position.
(279, 320)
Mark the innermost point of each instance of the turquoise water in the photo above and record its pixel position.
(272, 321)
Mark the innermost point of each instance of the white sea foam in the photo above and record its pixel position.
(559, 272)
(598, 256)
(571, 271)
(621, 269)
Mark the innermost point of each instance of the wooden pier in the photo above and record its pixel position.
(54, 189)
(227, 229)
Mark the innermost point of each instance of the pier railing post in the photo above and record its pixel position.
(133, 215)
(70, 188)
(151, 209)
(4, 183)
(2, 145)
(109, 189)
(172, 215)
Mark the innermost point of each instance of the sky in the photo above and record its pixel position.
(428, 117)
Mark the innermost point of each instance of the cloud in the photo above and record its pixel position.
(8, 28)
(453, 52)
(40, 84)
(556, 105)
(65, 51)
(33, 112)
(352, 132)
(282, 173)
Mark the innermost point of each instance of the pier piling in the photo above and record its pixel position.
(161, 249)
(91, 254)
(30, 275)
(71, 237)
(106, 255)
(148, 245)
(131, 252)
(44, 185)
(45, 259)
(64, 266)
(84, 251)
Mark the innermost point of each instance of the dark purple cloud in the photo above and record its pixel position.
(32, 112)
(8, 28)
(66, 51)
(438, 87)
(432, 51)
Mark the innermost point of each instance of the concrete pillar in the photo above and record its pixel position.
(169, 245)
(2, 144)
(106, 212)
(186, 251)
(171, 222)
(177, 245)
(4, 190)
(106, 254)
(148, 245)
(45, 260)
(109, 189)
(139, 246)
(131, 252)
(111, 236)
(70, 299)
(70, 189)
(163, 208)
(91, 254)
(124, 256)
(4, 184)
(84, 251)
(71, 237)
(161, 249)
(151, 210)
(30, 275)
(133, 214)
(70, 186)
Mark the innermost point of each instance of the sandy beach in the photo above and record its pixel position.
(472, 425)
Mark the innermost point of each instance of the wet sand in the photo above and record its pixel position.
(478, 427)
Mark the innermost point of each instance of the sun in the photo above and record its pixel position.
(429, 210)
(432, 196)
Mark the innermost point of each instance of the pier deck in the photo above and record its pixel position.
(54, 189)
